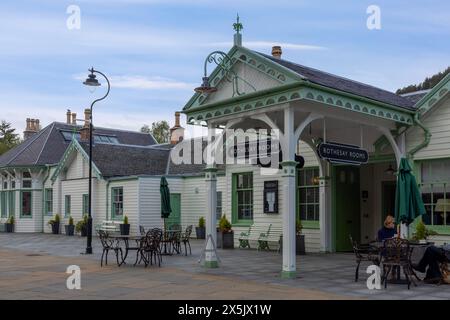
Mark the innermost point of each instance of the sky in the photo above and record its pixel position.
(153, 50)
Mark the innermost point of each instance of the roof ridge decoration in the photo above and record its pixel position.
(74, 146)
(439, 91)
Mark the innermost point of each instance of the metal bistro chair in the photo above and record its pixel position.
(109, 244)
(185, 239)
(396, 253)
(364, 253)
(142, 230)
(151, 247)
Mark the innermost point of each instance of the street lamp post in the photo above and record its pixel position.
(92, 82)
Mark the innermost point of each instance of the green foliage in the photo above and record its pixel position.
(8, 139)
(428, 83)
(70, 221)
(201, 222)
(125, 220)
(11, 220)
(422, 232)
(160, 131)
(56, 219)
(298, 226)
(81, 224)
(224, 224)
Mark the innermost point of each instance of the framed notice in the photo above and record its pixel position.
(271, 196)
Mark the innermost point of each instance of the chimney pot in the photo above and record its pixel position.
(276, 52)
(177, 131)
(68, 116)
(74, 118)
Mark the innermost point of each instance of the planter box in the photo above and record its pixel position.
(9, 227)
(219, 239)
(125, 229)
(84, 231)
(300, 244)
(228, 240)
(70, 229)
(200, 232)
(55, 228)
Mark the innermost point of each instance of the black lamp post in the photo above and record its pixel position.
(92, 82)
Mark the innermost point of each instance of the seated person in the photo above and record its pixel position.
(430, 263)
(388, 231)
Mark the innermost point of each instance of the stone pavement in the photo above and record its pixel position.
(32, 266)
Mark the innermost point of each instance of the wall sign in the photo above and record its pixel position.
(271, 196)
(342, 153)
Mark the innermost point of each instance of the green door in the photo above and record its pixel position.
(175, 204)
(347, 206)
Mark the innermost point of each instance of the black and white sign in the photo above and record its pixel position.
(342, 153)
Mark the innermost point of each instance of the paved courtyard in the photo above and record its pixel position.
(33, 266)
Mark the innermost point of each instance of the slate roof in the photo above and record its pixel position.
(414, 97)
(48, 145)
(343, 84)
(128, 160)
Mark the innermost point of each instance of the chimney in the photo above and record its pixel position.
(276, 52)
(74, 118)
(37, 125)
(31, 128)
(84, 132)
(177, 131)
(68, 114)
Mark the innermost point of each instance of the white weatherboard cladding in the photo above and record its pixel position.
(308, 154)
(78, 167)
(438, 122)
(258, 79)
(193, 201)
(33, 224)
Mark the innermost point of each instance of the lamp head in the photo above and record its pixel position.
(91, 81)
(205, 87)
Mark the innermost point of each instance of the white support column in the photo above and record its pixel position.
(325, 216)
(288, 175)
(211, 202)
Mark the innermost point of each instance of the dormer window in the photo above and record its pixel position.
(26, 180)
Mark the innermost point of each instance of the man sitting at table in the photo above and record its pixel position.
(388, 231)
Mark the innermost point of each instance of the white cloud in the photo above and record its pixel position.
(268, 44)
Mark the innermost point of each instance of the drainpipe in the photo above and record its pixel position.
(43, 195)
(107, 198)
(426, 140)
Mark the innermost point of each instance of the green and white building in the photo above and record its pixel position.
(47, 174)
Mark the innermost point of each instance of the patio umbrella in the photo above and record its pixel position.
(165, 200)
(408, 200)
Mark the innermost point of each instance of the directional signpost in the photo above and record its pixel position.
(342, 153)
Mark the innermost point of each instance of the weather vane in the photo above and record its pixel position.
(237, 26)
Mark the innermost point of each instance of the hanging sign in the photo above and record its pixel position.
(342, 153)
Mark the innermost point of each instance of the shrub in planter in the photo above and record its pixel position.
(70, 228)
(125, 227)
(226, 233)
(422, 232)
(55, 223)
(9, 225)
(200, 230)
(299, 238)
(81, 226)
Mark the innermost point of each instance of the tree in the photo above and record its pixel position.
(160, 131)
(428, 83)
(8, 139)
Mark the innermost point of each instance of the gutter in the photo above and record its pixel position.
(426, 140)
(107, 198)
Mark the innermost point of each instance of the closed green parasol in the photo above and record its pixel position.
(165, 199)
(408, 200)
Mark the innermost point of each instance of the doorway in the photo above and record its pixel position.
(347, 206)
(175, 216)
(388, 189)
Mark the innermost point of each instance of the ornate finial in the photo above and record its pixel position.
(237, 26)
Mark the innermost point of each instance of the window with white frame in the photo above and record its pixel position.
(308, 193)
(26, 180)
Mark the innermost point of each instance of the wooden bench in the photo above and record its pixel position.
(263, 234)
(109, 226)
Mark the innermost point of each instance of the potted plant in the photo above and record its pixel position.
(200, 230)
(226, 233)
(81, 226)
(422, 232)
(70, 228)
(10, 224)
(299, 238)
(125, 227)
(55, 223)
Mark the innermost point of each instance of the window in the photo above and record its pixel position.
(85, 204)
(49, 202)
(117, 202)
(219, 205)
(26, 204)
(308, 194)
(26, 180)
(3, 204)
(243, 196)
(67, 205)
(12, 202)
